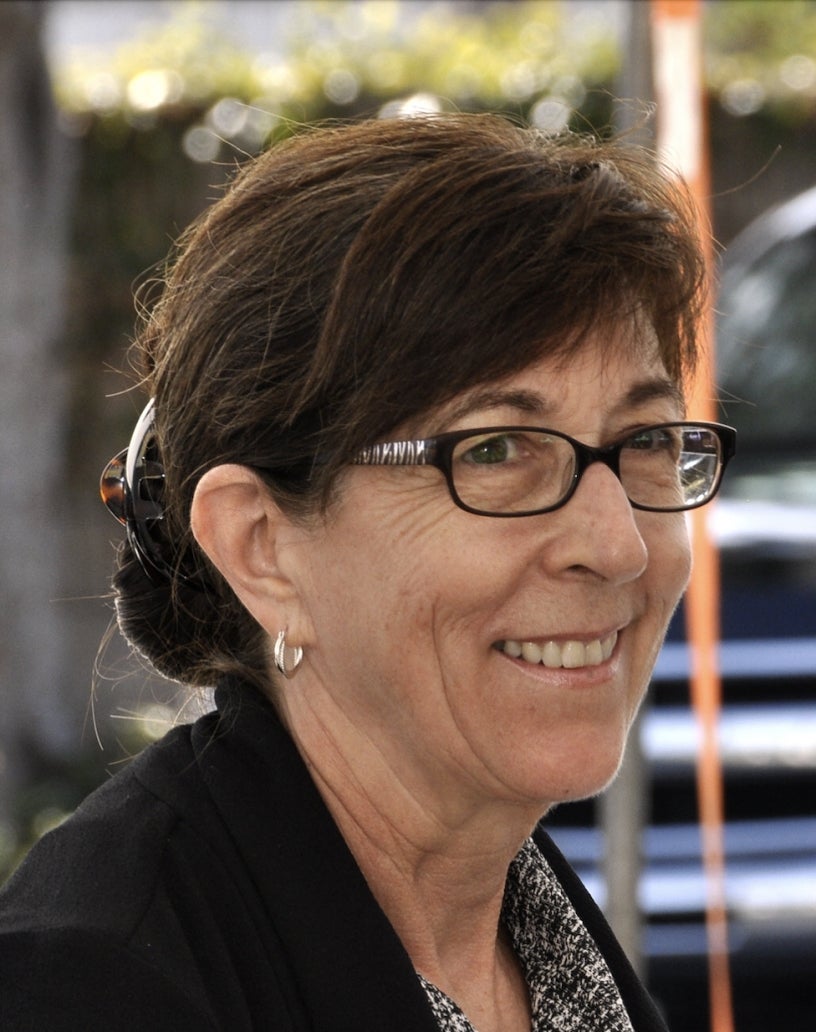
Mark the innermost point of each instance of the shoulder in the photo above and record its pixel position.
(109, 851)
(89, 924)
(146, 899)
(62, 979)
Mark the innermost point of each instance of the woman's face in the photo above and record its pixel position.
(411, 601)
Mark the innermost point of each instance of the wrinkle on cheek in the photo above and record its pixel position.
(412, 516)
(397, 537)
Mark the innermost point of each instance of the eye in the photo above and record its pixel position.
(489, 451)
(652, 439)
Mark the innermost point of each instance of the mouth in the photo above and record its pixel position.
(568, 655)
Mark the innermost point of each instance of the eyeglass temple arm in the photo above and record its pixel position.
(397, 453)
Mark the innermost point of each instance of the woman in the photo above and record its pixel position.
(409, 491)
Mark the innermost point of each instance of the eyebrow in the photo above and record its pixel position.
(532, 403)
(658, 389)
(529, 402)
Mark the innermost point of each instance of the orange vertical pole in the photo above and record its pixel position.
(682, 142)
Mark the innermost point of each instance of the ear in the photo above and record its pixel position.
(248, 539)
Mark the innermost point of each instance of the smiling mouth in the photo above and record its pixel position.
(569, 655)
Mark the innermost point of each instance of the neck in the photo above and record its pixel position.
(436, 860)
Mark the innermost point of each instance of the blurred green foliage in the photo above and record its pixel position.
(345, 57)
(760, 55)
(339, 57)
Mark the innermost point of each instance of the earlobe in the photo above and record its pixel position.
(240, 528)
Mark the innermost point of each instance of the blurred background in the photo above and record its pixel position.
(122, 119)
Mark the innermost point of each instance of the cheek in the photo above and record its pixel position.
(669, 548)
(379, 576)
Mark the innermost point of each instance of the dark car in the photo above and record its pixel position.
(766, 523)
(765, 526)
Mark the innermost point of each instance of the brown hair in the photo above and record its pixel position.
(352, 278)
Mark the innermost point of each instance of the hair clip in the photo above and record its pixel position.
(132, 486)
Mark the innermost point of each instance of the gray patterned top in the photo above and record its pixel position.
(571, 987)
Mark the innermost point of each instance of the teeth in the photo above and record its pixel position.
(568, 654)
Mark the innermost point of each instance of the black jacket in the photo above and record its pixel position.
(207, 887)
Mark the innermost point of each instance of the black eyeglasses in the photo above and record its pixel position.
(524, 471)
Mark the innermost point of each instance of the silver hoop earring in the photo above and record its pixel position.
(279, 656)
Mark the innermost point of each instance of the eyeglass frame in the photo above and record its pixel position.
(438, 452)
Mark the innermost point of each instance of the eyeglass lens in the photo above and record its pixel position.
(669, 468)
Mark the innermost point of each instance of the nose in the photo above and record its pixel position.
(599, 530)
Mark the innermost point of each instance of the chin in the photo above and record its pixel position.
(591, 780)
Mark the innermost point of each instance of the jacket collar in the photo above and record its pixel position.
(354, 974)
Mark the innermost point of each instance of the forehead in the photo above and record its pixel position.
(607, 374)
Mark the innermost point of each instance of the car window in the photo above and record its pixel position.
(766, 341)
